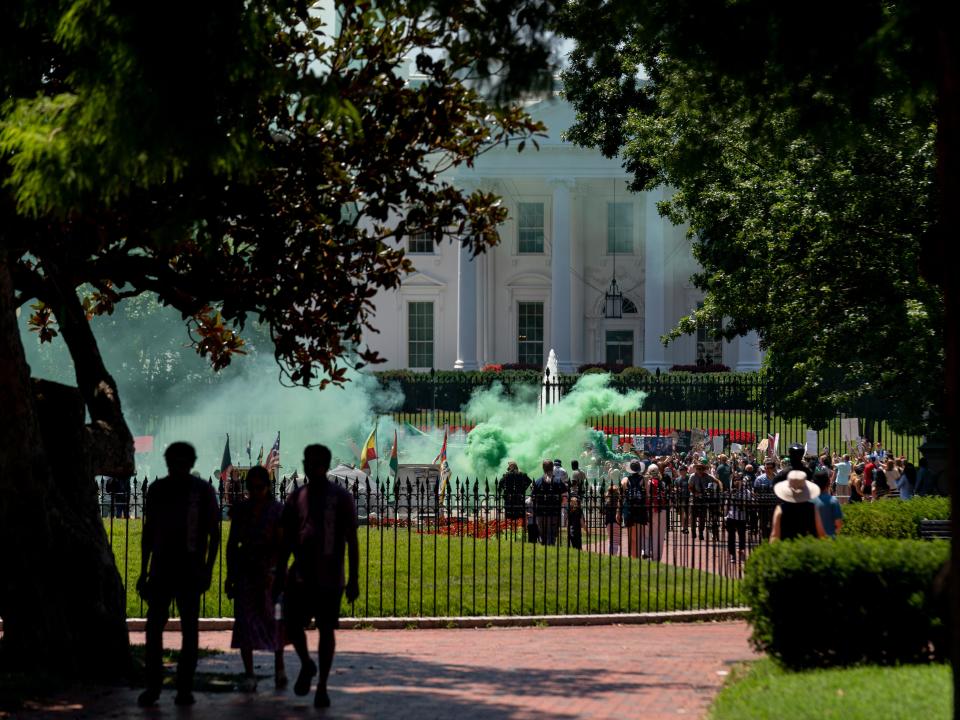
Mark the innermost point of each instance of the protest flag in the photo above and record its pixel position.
(226, 464)
(442, 457)
(369, 451)
(394, 456)
(273, 458)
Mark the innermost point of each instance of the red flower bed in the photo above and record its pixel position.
(627, 432)
(479, 529)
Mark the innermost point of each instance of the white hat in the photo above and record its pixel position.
(796, 488)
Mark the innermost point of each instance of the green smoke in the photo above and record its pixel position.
(512, 428)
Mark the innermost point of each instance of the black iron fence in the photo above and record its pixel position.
(476, 549)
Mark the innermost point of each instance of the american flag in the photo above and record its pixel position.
(273, 458)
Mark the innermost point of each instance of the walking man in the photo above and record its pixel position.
(319, 522)
(181, 536)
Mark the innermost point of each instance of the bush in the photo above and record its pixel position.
(711, 368)
(816, 603)
(893, 518)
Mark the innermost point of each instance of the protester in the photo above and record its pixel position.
(891, 476)
(868, 476)
(548, 496)
(533, 532)
(831, 515)
(841, 474)
(702, 491)
(613, 517)
(253, 549)
(513, 487)
(181, 536)
(634, 507)
(723, 472)
(739, 500)
(653, 533)
(907, 482)
(796, 515)
(856, 484)
(575, 524)
(578, 480)
(319, 522)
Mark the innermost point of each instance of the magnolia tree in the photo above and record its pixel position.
(241, 163)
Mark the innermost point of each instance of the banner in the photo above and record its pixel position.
(658, 445)
(718, 442)
(683, 441)
(850, 429)
(812, 443)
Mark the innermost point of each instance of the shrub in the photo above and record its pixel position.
(820, 603)
(893, 518)
(711, 368)
(613, 368)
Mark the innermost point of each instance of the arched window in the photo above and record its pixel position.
(629, 306)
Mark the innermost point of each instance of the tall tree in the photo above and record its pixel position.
(259, 171)
(812, 243)
(834, 70)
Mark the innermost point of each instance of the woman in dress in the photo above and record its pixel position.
(252, 551)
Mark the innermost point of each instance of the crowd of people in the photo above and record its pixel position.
(703, 494)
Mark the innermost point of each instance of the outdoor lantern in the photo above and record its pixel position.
(613, 308)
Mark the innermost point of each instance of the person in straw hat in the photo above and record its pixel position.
(796, 515)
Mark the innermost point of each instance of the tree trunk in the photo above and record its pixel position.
(61, 598)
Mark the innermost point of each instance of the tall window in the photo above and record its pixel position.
(420, 334)
(709, 349)
(530, 227)
(620, 347)
(420, 243)
(619, 227)
(530, 333)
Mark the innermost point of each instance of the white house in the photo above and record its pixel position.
(571, 223)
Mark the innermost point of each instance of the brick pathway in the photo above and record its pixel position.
(617, 672)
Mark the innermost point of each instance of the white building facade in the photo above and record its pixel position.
(572, 225)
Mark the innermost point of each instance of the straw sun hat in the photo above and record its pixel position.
(796, 488)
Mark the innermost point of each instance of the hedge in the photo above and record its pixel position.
(816, 603)
(893, 518)
(451, 389)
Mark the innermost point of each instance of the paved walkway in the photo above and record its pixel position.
(617, 672)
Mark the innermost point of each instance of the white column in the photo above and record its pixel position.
(466, 311)
(654, 290)
(749, 354)
(559, 339)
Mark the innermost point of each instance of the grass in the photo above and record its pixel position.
(405, 574)
(762, 690)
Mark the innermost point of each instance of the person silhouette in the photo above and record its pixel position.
(181, 537)
(319, 522)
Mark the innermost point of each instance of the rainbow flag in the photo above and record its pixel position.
(369, 451)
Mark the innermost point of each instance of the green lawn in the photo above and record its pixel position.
(762, 690)
(406, 574)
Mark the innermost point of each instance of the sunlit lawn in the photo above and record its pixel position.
(406, 574)
(764, 691)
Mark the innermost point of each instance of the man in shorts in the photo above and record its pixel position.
(319, 522)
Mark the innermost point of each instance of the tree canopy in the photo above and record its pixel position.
(810, 236)
(240, 162)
